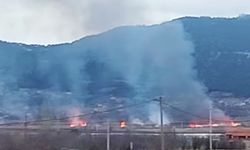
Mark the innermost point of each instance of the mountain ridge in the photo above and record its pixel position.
(132, 62)
(191, 25)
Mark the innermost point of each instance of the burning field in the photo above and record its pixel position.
(216, 122)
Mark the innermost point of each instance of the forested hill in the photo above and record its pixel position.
(222, 58)
(222, 52)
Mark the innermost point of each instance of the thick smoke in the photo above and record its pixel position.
(123, 66)
(158, 61)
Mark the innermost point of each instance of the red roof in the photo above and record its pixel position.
(238, 131)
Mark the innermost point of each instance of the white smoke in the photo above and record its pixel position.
(157, 60)
(153, 60)
(154, 114)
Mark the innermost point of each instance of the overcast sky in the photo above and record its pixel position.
(57, 21)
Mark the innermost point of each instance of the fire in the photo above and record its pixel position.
(225, 122)
(235, 124)
(123, 124)
(77, 122)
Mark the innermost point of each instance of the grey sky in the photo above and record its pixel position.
(57, 21)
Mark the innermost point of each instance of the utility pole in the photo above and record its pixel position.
(25, 125)
(210, 128)
(162, 126)
(131, 145)
(108, 135)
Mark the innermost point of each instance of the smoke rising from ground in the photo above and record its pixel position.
(158, 61)
(123, 66)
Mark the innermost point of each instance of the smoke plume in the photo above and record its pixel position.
(123, 66)
(157, 61)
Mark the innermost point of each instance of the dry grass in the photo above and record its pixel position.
(67, 140)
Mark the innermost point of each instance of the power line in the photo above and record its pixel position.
(200, 117)
(82, 115)
(123, 107)
(184, 112)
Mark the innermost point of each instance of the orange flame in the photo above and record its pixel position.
(77, 122)
(224, 122)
